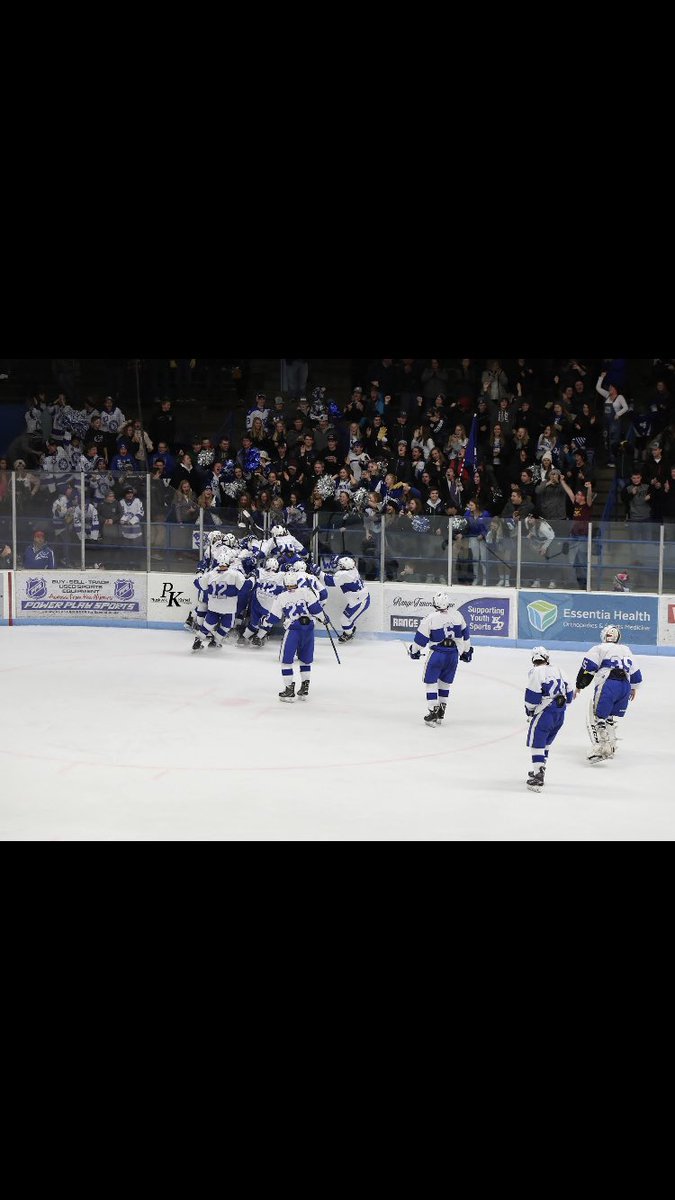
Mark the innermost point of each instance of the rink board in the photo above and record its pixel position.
(504, 616)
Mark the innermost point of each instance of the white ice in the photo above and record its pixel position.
(126, 735)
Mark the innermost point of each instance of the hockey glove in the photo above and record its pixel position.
(467, 655)
(583, 679)
(414, 652)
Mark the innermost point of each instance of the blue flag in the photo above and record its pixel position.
(471, 457)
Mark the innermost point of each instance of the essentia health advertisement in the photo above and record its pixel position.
(579, 616)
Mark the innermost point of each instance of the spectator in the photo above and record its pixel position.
(494, 381)
(163, 426)
(260, 410)
(131, 527)
(478, 525)
(123, 461)
(516, 509)
(668, 510)
(297, 374)
(27, 487)
(635, 497)
(104, 442)
(185, 509)
(164, 455)
(541, 539)
(112, 417)
(39, 556)
(410, 396)
(616, 408)
(63, 515)
(550, 497)
(581, 516)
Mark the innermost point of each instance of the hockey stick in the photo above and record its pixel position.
(328, 626)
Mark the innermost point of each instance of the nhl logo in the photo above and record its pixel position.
(36, 589)
(124, 589)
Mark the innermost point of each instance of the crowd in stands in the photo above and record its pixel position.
(395, 447)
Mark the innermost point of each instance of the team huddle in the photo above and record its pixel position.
(249, 586)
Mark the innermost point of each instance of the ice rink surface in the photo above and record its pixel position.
(125, 734)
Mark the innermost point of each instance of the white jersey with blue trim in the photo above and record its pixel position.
(544, 684)
(610, 656)
(291, 607)
(441, 628)
(284, 544)
(222, 589)
(315, 585)
(349, 582)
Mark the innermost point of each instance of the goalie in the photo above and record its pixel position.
(616, 678)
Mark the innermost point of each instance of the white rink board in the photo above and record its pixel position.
(667, 621)
(170, 596)
(89, 596)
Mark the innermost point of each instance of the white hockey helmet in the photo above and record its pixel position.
(611, 633)
(291, 579)
(441, 601)
(540, 654)
(346, 563)
(215, 538)
(278, 531)
(229, 540)
(298, 567)
(224, 557)
(271, 564)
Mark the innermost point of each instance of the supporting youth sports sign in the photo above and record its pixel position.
(486, 615)
(59, 595)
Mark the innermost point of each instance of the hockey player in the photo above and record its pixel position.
(268, 584)
(616, 678)
(223, 588)
(441, 630)
(546, 698)
(346, 577)
(282, 544)
(300, 610)
(194, 622)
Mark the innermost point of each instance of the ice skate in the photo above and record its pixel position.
(346, 635)
(213, 644)
(303, 692)
(288, 694)
(198, 644)
(535, 779)
(441, 709)
(189, 622)
(256, 642)
(433, 717)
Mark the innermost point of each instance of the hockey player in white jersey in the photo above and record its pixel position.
(300, 610)
(223, 588)
(194, 622)
(269, 582)
(282, 544)
(346, 578)
(616, 678)
(444, 630)
(546, 698)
